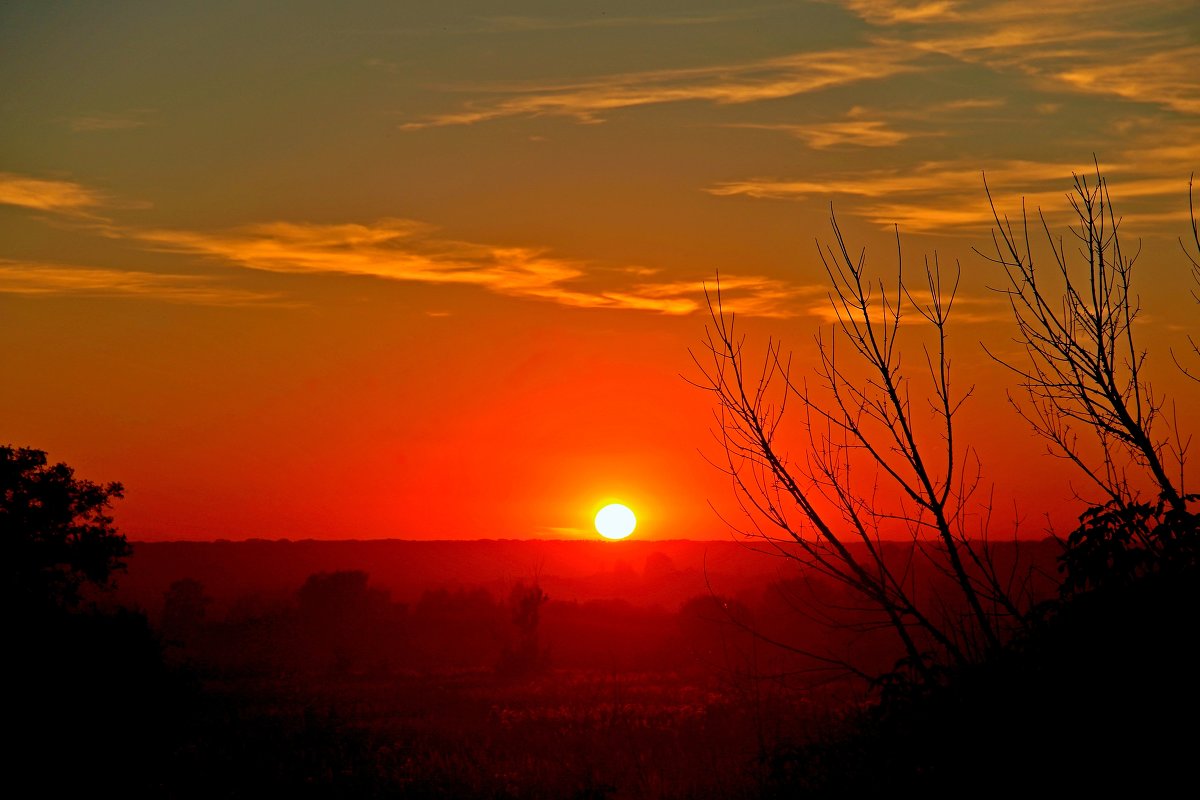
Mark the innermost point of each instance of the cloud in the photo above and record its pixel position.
(930, 176)
(407, 250)
(851, 132)
(895, 12)
(516, 23)
(765, 79)
(1166, 77)
(877, 127)
(965, 310)
(33, 278)
(948, 196)
(396, 249)
(47, 195)
(1110, 47)
(108, 122)
(390, 249)
(1090, 46)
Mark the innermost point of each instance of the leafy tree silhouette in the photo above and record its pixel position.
(55, 529)
(71, 667)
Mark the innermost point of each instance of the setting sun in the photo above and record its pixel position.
(615, 521)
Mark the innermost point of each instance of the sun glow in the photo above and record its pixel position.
(615, 521)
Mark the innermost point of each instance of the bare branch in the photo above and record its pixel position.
(1083, 372)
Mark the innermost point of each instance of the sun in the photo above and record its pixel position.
(615, 521)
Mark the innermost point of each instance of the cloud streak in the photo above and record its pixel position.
(1168, 78)
(767, 79)
(948, 196)
(521, 24)
(846, 133)
(34, 278)
(410, 251)
(1087, 46)
(393, 249)
(48, 195)
(1083, 46)
(108, 122)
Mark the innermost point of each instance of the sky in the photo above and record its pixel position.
(416, 270)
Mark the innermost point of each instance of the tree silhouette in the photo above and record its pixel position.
(878, 455)
(92, 706)
(55, 529)
(1192, 370)
(1088, 688)
(1086, 391)
(876, 447)
(1084, 372)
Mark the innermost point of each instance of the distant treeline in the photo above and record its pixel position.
(645, 573)
(344, 622)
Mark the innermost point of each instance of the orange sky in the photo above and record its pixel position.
(391, 270)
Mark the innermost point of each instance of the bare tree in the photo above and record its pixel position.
(1192, 372)
(1084, 372)
(1086, 391)
(879, 456)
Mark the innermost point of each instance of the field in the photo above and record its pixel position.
(473, 734)
(629, 679)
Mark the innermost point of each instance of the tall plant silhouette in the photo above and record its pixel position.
(1086, 392)
(872, 461)
(1084, 372)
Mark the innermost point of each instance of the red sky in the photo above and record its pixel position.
(395, 271)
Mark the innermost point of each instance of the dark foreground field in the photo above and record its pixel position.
(612, 673)
(247, 671)
(559, 734)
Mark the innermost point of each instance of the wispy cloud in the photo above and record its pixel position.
(1107, 47)
(945, 196)
(90, 123)
(1166, 77)
(850, 132)
(406, 250)
(48, 195)
(880, 127)
(396, 249)
(749, 295)
(1092, 46)
(765, 79)
(1137, 53)
(32, 278)
(965, 310)
(390, 249)
(895, 12)
(517, 23)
